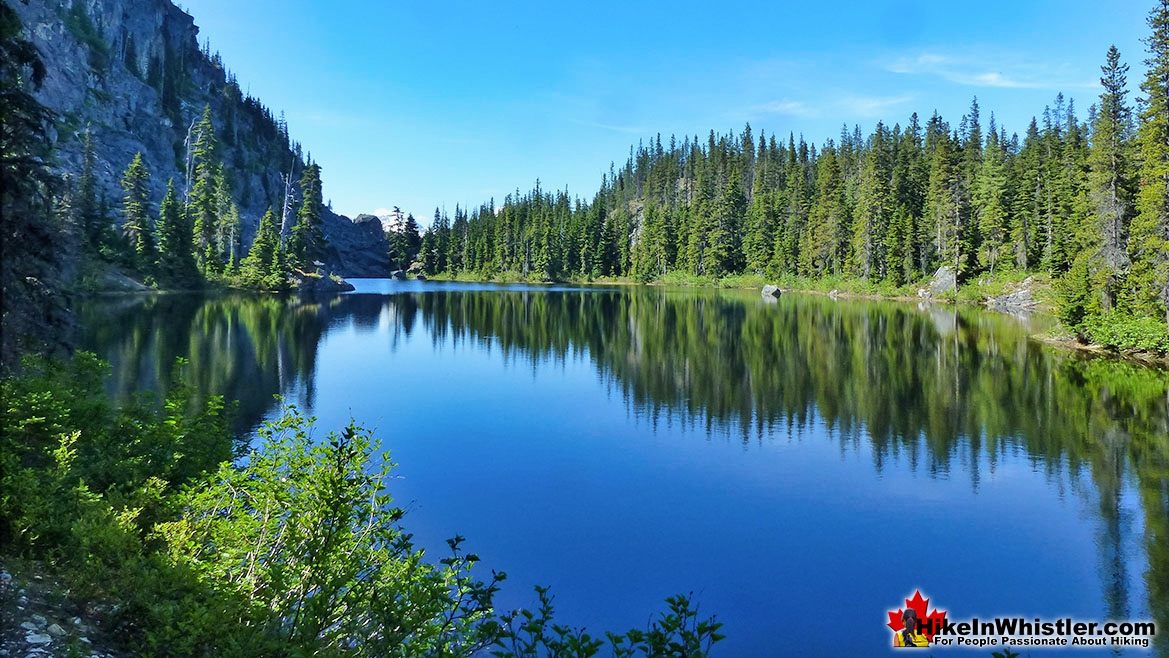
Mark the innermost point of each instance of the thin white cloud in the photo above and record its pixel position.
(925, 62)
(872, 106)
(786, 107)
(628, 130)
(970, 72)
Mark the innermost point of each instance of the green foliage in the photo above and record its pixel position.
(675, 633)
(89, 213)
(307, 239)
(1119, 330)
(84, 481)
(307, 537)
(264, 267)
(203, 166)
(137, 229)
(1147, 290)
(296, 549)
(176, 259)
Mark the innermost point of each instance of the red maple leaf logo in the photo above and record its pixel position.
(930, 623)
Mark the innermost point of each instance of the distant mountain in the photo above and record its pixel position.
(131, 72)
(393, 220)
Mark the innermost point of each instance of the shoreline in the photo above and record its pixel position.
(739, 283)
(1066, 342)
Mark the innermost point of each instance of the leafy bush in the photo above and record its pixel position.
(293, 549)
(1121, 331)
(305, 534)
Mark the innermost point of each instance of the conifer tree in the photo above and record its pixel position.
(304, 245)
(825, 241)
(201, 200)
(874, 209)
(992, 198)
(136, 226)
(1111, 178)
(1027, 202)
(1094, 280)
(176, 263)
(264, 265)
(1148, 245)
(227, 226)
(89, 214)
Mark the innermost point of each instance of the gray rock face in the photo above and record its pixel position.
(1019, 300)
(771, 291)
(359, 247)
(113, 281)
(399, 275)
(131, 72)
(945, 280)
(321, 285)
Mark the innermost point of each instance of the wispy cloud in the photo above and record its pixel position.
(872, 106)
(626, 130)
(989, 72)
(786, 107)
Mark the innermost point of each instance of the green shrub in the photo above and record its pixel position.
(295, 549)
(1127, 332)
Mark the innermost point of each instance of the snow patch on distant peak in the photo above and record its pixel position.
(393, 220)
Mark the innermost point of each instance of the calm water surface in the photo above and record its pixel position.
(800, 466)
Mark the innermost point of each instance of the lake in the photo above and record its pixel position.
(800, 466)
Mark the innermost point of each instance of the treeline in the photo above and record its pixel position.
(1085, 201)
(195, 237)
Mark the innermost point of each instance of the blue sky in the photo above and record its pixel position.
(424, 104)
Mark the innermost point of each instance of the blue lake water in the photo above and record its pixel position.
(801, 467)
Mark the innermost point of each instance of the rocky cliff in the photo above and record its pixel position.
(132, 74)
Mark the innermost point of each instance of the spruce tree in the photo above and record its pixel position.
(825, 240)
(136, 228)
(263, 267)
(1027, 202)
(176, 263)
(227, 225)
(1094, 280)
(874, 209)
(992, 200)
(1148, 246)
(201, 200)
(89, 214)
(307, 239)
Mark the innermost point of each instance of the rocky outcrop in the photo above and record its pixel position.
(1020, 299)
(113, 281)
(945, 280)
(132, 74)
(770, 291)
(316, 284)
(359, 247)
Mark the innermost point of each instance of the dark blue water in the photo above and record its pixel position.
(800, 467)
